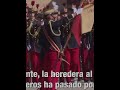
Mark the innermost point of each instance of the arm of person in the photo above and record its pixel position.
(74, 14)
(81, 3)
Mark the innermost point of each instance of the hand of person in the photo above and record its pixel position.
(90, 1)
(73, 6)
(62, 53)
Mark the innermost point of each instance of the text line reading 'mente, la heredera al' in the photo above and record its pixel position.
(58, 74)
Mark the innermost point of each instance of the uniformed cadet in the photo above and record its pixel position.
(33, 46)
(52, 47)
(28, 42)
(71, 52)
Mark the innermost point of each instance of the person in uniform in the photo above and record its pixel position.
(28, 42)
(87, 52)
(66, 23)
(33, 45)
(52, 46)
(87, 49)
(71, 51)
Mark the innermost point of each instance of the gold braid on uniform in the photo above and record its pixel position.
(52, 29)
(36, 32)
(69, 21)
(29, 28)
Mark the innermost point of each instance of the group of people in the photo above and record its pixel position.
(52, 46)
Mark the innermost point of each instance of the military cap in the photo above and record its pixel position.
(51, 11)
